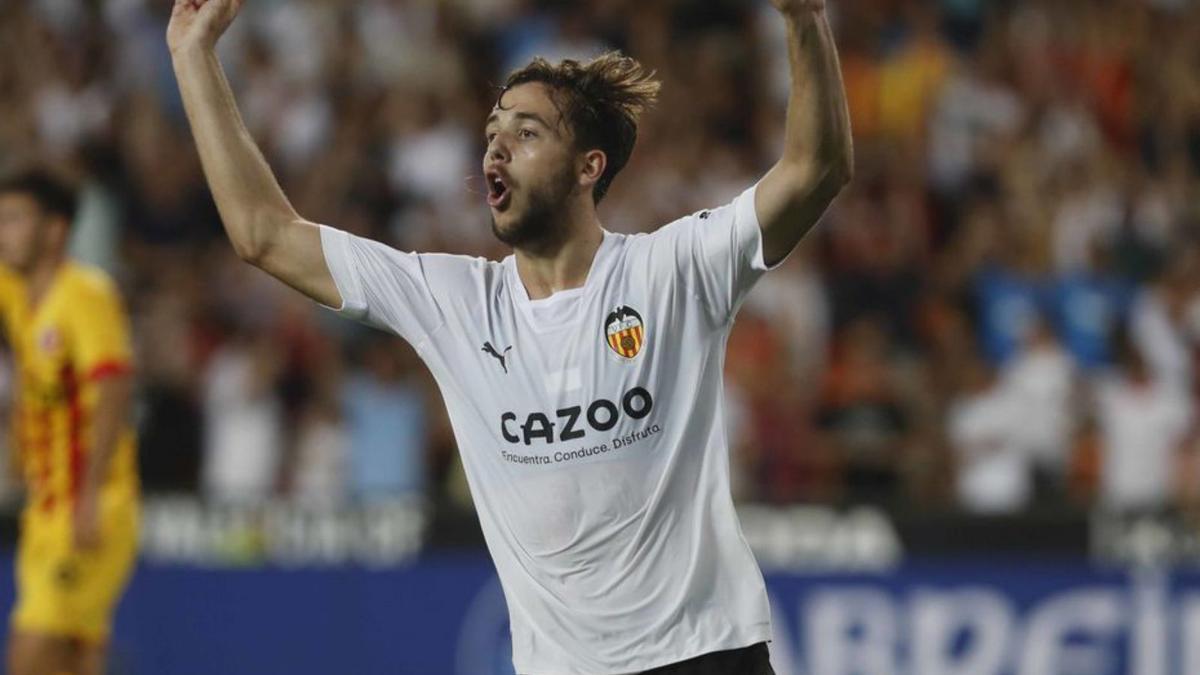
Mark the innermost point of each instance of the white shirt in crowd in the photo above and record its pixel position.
(322, 446)
(243, 441)
(994, 471)
(591, 431)
(1160, 339)
(1142, 429)
(971, 113)
(1041, 382)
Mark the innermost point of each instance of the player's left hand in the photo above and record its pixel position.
(87, 522)
(798, 7)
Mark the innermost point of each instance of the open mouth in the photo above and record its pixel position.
(499, 194)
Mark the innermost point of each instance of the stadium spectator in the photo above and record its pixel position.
(319, 471)
(1009, 288)
(244, 422)
(386, 424)
(1041, 381)
(1144, 421)
(863, 415)
(995, 473)
(1088, 306)
(1015, 160)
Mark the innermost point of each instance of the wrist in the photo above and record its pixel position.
(192, 50)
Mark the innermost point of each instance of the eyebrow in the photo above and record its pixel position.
(495, 117)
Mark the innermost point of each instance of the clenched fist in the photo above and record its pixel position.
(199, 23)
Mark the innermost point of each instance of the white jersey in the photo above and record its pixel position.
(591, 430)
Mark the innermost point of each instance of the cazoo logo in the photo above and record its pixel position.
(601, 415)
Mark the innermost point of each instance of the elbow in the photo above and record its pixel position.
(840, 172)
(847, 170)
(253, 235)
(836, 176)
(829, 181)
(253, 252)
(248, 251)
(826, 177)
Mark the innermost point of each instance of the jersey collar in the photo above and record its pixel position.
(599, 263)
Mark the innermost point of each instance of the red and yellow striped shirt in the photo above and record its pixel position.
(77, 335)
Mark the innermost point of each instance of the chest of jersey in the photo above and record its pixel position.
(40, 342)
(570, 380)
(578, 365)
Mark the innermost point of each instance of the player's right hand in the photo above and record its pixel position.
(199, 23)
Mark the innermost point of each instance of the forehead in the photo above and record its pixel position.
(525, 99)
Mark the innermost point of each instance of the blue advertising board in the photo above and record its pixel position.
(445, 615)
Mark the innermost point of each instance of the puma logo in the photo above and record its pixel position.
(502, 358)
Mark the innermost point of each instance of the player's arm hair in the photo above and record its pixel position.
(262, 225)
(113, 406)
(818, 154)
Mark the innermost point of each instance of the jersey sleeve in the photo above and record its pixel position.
(99, 332)
(718, 253)
(381, 286)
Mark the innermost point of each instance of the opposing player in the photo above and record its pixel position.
(582, 374)
(69, 335)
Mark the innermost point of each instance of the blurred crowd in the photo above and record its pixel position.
(1001, 313)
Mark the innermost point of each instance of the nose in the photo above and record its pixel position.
(497, 151)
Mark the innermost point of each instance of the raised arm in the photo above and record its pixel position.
(260, 221)
(818, 154)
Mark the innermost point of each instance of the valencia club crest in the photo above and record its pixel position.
(625, 332)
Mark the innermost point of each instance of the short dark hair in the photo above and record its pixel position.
(600, 101)
(52, 194)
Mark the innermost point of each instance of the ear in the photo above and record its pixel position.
(593, 165)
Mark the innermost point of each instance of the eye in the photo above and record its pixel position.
(527, 133)
(490, 137)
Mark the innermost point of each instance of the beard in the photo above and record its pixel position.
(535, 228)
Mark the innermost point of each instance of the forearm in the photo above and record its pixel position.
(817, 159)
(817, 141)
(108, 423)
(252, 205)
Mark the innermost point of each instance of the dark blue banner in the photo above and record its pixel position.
(445, 615)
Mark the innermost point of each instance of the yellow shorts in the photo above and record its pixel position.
(69, 592)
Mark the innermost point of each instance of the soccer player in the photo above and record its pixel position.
(583, 374)
(69, 335)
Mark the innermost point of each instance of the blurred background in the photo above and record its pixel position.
(963, 415)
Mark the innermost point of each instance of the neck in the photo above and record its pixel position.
(41, 276)
(563, 264)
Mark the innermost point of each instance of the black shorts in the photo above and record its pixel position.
(752, 660)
